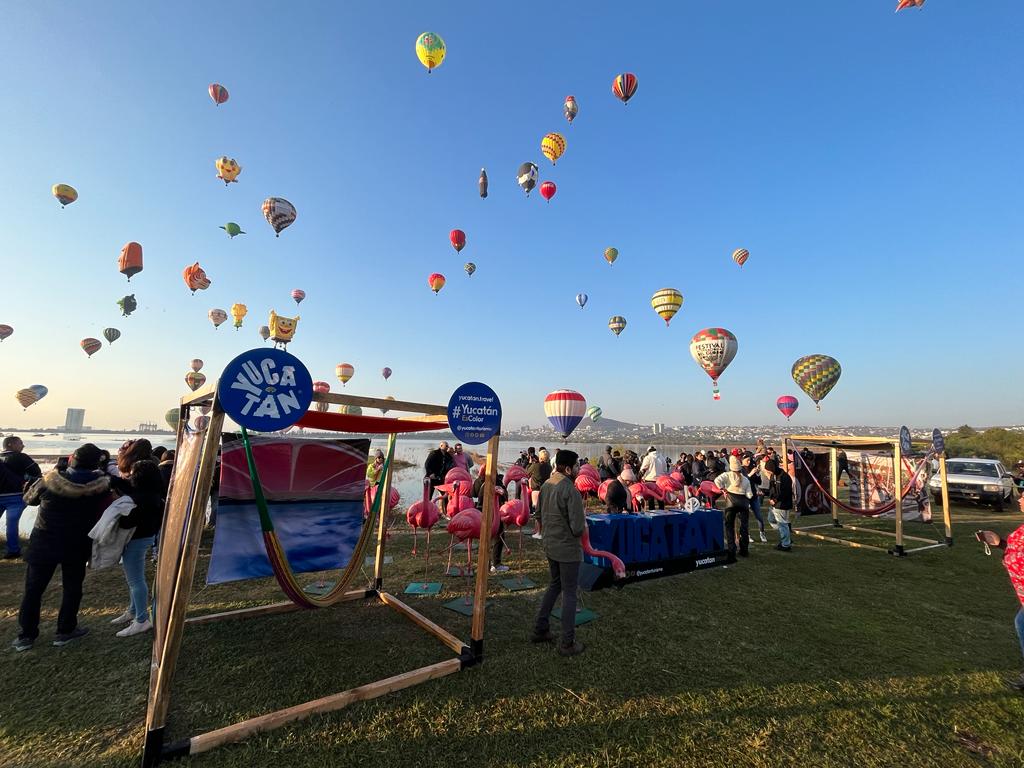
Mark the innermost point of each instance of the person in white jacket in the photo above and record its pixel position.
(651, 468)
(738, 493)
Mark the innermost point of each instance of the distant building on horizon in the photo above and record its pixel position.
(74, 421)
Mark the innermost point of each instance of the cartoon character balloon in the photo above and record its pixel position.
(547, 190)
(553, 146)
(218, 93)
(458, 239)
(787, 404)
(816, 375)
(91, 346)
(470, 268)
(5, 331)
(111, 335)
(217, 316)
(194, 380)
(386, 373)
(526, 177)
(127, 304)
(195, 278)
(482, 182)
(565, 409)
(227, 169)
(713, 349)
(282, 329)
(130, 261)
(264, 332)
(430, 50)
(570, 108)
(436, 282)
(740, 256)
(581, 299)
(238, 313)
(610, 255)
(298, 294)
(344, 372)
(65, 194)
(279, 213)
(624, 86)
(594, 413)
(232, 229)
(617, 324)
(666, 303)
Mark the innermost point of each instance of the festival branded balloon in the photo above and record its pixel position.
(194, 380)
(527, 177)
(172, 417)
(624, 86)
(713, 349)
(5, 331)
(436, 282)
(321, 387)
(195, 278)
(816, 375)
(553, 146)
(570, 108)
(565, 409)
(238, 313)
(344, 372)
(666, 303)
(617, 324)
(217, 316)
(470, 268)
(218, 93)
(547, 190)
(232, 229)
(386, 373)
(127, 304)
(904, 4)
(610, 255)
(430, 50)
(91, 346)
(279, 213)
(788, 405)
(458, 239)
(111, 335)
(264, 332)
(26, 397)
(298, 294)
(594, 413)
(196, 364)
(350, 410)
(740, 256)
(282, 329)
(130, 261)
(65, 194)
(227, 169)
(581, 299)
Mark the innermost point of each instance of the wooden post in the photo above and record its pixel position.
(945, 500)
(484, 550)
(897, 458)
(383, 493)
(834, 485)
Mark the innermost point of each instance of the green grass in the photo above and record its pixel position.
(827, 656)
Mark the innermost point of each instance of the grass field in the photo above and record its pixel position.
(826, 656)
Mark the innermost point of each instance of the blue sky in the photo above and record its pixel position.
(869, 161)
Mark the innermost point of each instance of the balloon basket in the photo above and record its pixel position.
(318, 588)
(517, 584)
(423, 588)
(582, 616)
(461, 605)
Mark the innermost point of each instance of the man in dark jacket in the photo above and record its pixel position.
(438, 462)
(17, 471)
(698, 469)
(780, 496)
(70, 504)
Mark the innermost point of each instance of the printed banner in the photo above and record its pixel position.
(873, 483)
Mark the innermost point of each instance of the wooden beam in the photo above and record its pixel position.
(426, 409)
(897, 465)
(930, 546)
(423, 622)
(833, 456)
(202, 395)
(834, 540)
(827, 441)
(946, 514)
(886, 533)
(270, 609)
(484, 550)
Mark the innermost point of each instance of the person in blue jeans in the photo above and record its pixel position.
(145, 486)
(17, 472)
(780, 496)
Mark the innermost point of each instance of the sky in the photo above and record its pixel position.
(869, 161)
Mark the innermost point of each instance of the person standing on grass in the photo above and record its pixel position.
(18, 471)
(561, 511)
(539, 471)
(1013, 562)
(738, 494)
(754, 476)
(780, 497)
(145, 489)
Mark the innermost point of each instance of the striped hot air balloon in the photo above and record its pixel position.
(344, 372)
(298, 294)
(111, 335)
(616, 324)
(217, 316)
(218, 93)
(610, 255)
(323, 388)
(570, 108)
(666, 303)
(30, 395)
(90, 346)
(787, 404)
(565, 410)
(594, 413)
(436, 282)
(816, 375)
(552, 146)
(713, 349)
(279, 213)
(581, 299)
(624, 86)
(65, 194)
(740, 256)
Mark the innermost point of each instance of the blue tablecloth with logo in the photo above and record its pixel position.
(658, 537)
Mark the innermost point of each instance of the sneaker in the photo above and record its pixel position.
(23, 644)
(537, 536)
(571, 650)
(135, 628)
(542, 637)
(782, 548)
(499, 569)
(64, 639)
(764, 539)
(124, 618)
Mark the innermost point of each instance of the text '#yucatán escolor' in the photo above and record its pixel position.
(261, 387)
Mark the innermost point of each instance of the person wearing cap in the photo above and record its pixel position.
(780, 497)
(564, 521)
(375, 468)
(70, 503)
(738, 494)
(605, 464)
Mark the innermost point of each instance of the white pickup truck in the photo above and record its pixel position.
(984, 481)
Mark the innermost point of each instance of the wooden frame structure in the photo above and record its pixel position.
(870, 443)
(184, 519)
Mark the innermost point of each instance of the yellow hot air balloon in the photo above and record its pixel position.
(666, 303)
(344, 372)
(65, 194)
(611, 254)
(616, 324)
(430, 50)
(227, 169)
(553, 146)
(238, 312)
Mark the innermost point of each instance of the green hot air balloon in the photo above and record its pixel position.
(172, 417)
(111, 335)
(232, 229)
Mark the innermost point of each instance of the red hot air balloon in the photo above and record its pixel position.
(787, 404)
(91, 346)
(218, 93)
(624, 86)
(323, 388)
(130, 262)
(458, 238)
(436, 282)
(547, 190)
(298, 294)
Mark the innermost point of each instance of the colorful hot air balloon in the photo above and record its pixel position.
(565, 409)
(458, 239)
(624, 86)
(194, 380)
(570, 108)
(201, 423)
(594, 413)
(482, 182)
(740, 256)
(610, 255)
(111, 335)
(436, 282)
(581, 299)
(384, 411)
(470, 268)
(713, 349)
(218, 93)
(227, 169)
(666, 303)
(788, 405)
(238, 313)
(386, 373)
(430, 50)
(344, 372)
(130, 262)
(232, 229)
(195, 278)
(617, 323)
(65, 194)
(196, 364)
(904, 4)
(264, 332)
(26, 397)
(816, 375)
(547, 190)
(527, 177)
(217, 316)
(172, 417)
(279, 213)
(350, 410)
(298, 294)
(323, 388)
(553, 146)
(90, 346)
(127, 304)
(5, 331)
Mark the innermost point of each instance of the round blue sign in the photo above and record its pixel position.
(905, 445)
(474, 413)
(265, 389)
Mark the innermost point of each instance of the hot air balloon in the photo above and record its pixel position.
(483, 182)
(111, 335)
(350, 410)
(565, 409)
(624, 86)
(218, 93)
(470, 268)
(527, 177)
(594, 413)
(90, 346)
(547, 190)
(194, 380)
(195, 278)
(5, 331)
(40, 390)
(384, 411)
(26, 397)
(298, 294)
(201, 423)
(553, 146)
(264, 332)
(344, 372)
(458, 239)
(238, 313)
(127, 304)
(816, 375)
(232, 229)
(130, 262)
(386, 373)
(713, 349)
(904, 4)
(666, 303)
(172, 417)
(570, 108)
(581, 299)
(617, 324)
(430, 50)
(227, 169)
(788, 405)
(217, 316)
(436, 282)
(610, 255)
(323, 388)
(65, 194)
(282, 329)
(740, 256)
(196, 364)
(279, 212)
